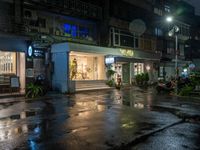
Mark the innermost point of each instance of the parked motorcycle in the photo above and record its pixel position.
(165, 87)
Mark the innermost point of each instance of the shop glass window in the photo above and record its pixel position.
(7, 62)
(138, 68)
(86, 67)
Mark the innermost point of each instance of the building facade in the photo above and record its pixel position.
(13, 47)
(182, 14)
(95, 36)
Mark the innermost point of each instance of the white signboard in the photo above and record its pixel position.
(109, 60)
(30, 72)
(14, 82)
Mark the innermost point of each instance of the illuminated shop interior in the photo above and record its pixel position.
(86, 66)
(118, 71)
(7, 62)
(138, 68)
(12, 64)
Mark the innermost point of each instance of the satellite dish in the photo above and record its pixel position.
(137, 26)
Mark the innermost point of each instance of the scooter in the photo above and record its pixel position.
(165, 87)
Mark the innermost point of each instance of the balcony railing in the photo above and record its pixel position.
(121, 38)
(8, 25)
(71, 7)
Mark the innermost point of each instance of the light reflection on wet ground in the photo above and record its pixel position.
(90, 120)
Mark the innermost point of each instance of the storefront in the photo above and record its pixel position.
(81, 66)
(12, 65)
(128, 68)
(88, 64)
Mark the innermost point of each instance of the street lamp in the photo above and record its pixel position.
(174, 31)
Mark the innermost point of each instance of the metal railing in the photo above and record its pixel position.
(8, 25)
(71, 7)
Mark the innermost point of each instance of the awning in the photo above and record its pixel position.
(115, 52)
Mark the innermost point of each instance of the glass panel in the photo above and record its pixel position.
(7, 62)
(126, 41)
(86, 67)
(138, 68)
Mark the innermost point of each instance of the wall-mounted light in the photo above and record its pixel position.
(148, 67)
(185, 70)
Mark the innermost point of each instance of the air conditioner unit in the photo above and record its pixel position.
(33, 15)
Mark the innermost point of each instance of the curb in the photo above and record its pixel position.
(143, 137)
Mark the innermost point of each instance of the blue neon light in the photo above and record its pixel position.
(74, 30)
(67, 28)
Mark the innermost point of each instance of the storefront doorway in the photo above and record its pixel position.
(126, 73)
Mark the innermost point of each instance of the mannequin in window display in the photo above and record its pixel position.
(74, 69)
(119, 81)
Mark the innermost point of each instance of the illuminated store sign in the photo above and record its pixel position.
(30, 51)
(109, 60)
(127, 52)
(36, 52)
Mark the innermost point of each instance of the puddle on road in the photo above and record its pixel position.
(164, 109)
(36, 130)
(7, 104)
(133, 104)
(22, 115)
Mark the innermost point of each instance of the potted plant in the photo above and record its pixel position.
(111, 81)
(33, 90)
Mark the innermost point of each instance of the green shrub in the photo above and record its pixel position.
(110, 83)
(110, 73)
(186, 90)
(33, 90)
(142, 79)
(146, 77)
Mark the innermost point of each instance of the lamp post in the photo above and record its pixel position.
(174, 31)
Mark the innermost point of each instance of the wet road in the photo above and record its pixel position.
(126, 119)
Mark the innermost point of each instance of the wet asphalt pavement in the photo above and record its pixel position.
(132, 119)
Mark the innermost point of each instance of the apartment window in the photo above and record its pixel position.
(27, 14)
(83, 31)
(123, 38)
(158, 11)
(158, 32)
(167, 8)
(170, 48)
(184, 29)
(42, 22)
(77, 31)
(181, 48)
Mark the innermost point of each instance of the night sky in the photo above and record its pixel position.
(196, 4)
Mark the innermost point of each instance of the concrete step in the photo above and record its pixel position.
(91, 84)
